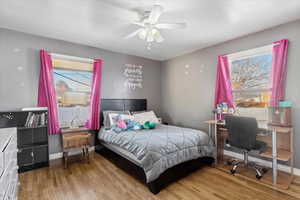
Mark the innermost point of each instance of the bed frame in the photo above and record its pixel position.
(169, 175)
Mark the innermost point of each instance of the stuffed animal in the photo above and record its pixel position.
(149, 125)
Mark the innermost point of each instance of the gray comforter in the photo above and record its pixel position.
(161, 148)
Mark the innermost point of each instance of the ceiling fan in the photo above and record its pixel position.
(150, 28)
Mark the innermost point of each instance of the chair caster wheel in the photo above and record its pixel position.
(232, 171)
(264, 170)
(258, 176)
(229, 162)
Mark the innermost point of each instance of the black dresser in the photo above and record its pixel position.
(32, 137)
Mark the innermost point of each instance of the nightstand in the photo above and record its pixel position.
(74, 139)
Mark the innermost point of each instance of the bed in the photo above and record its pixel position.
(157, 157)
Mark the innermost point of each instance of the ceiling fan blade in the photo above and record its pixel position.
(155, 14)
(134, 33)
(139, 24)
(171, 26)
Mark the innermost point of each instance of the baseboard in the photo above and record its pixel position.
(58, 155)
(265, 163)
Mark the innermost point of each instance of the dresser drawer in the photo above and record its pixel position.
(12, 145)
(9, 157)
(11, 191)
(4, 182)
(10, 173)
(2, 164)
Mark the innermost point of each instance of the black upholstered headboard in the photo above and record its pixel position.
(122, 105)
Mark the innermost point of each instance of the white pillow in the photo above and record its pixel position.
(111, 117)
(145, 116)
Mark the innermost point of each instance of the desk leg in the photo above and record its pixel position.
(216, 143)
(274, 154)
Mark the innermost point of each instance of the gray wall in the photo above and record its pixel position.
(20, 64)
(187, 99)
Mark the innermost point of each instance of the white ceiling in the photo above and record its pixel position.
(104, 23)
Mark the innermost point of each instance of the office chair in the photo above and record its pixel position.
(242, 133)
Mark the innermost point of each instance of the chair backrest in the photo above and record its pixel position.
(242, 131)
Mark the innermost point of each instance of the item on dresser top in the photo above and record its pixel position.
(106, 120)
(145, 116)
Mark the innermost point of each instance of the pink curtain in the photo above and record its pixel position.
(46, 93)
(279, 70)
(223, 91)
(94, 121)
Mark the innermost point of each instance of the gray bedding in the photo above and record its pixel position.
(161, 148)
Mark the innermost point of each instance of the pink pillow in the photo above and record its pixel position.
(122, 124)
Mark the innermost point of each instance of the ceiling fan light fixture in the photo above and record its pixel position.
(150, 37)
(149, 28)
(142, 34)
(157, 36)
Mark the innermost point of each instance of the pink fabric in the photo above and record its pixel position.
(223, 91)
(46, 93)
(279, 70)
(122, 124)
(94, 121)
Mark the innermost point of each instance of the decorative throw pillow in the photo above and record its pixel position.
(114, 118)
(133, 125)
(106, 120)
(145, 116)
(122, 124)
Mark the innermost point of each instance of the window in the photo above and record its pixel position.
(73, 82)
(251, 77)
(251, 80)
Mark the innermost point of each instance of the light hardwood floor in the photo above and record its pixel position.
(102, 180)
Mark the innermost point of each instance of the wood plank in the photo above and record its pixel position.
(214, 122)
(284, 180)
(282, 155)
(103, 180)
(283, 140)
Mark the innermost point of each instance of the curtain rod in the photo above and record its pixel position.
(253, 49)
(71, 58)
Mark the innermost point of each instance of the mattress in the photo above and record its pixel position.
(122, 152)
(158, 149)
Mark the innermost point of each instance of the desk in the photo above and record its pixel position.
(285, 153)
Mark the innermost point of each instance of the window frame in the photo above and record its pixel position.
(248, 54)
(70, 63)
